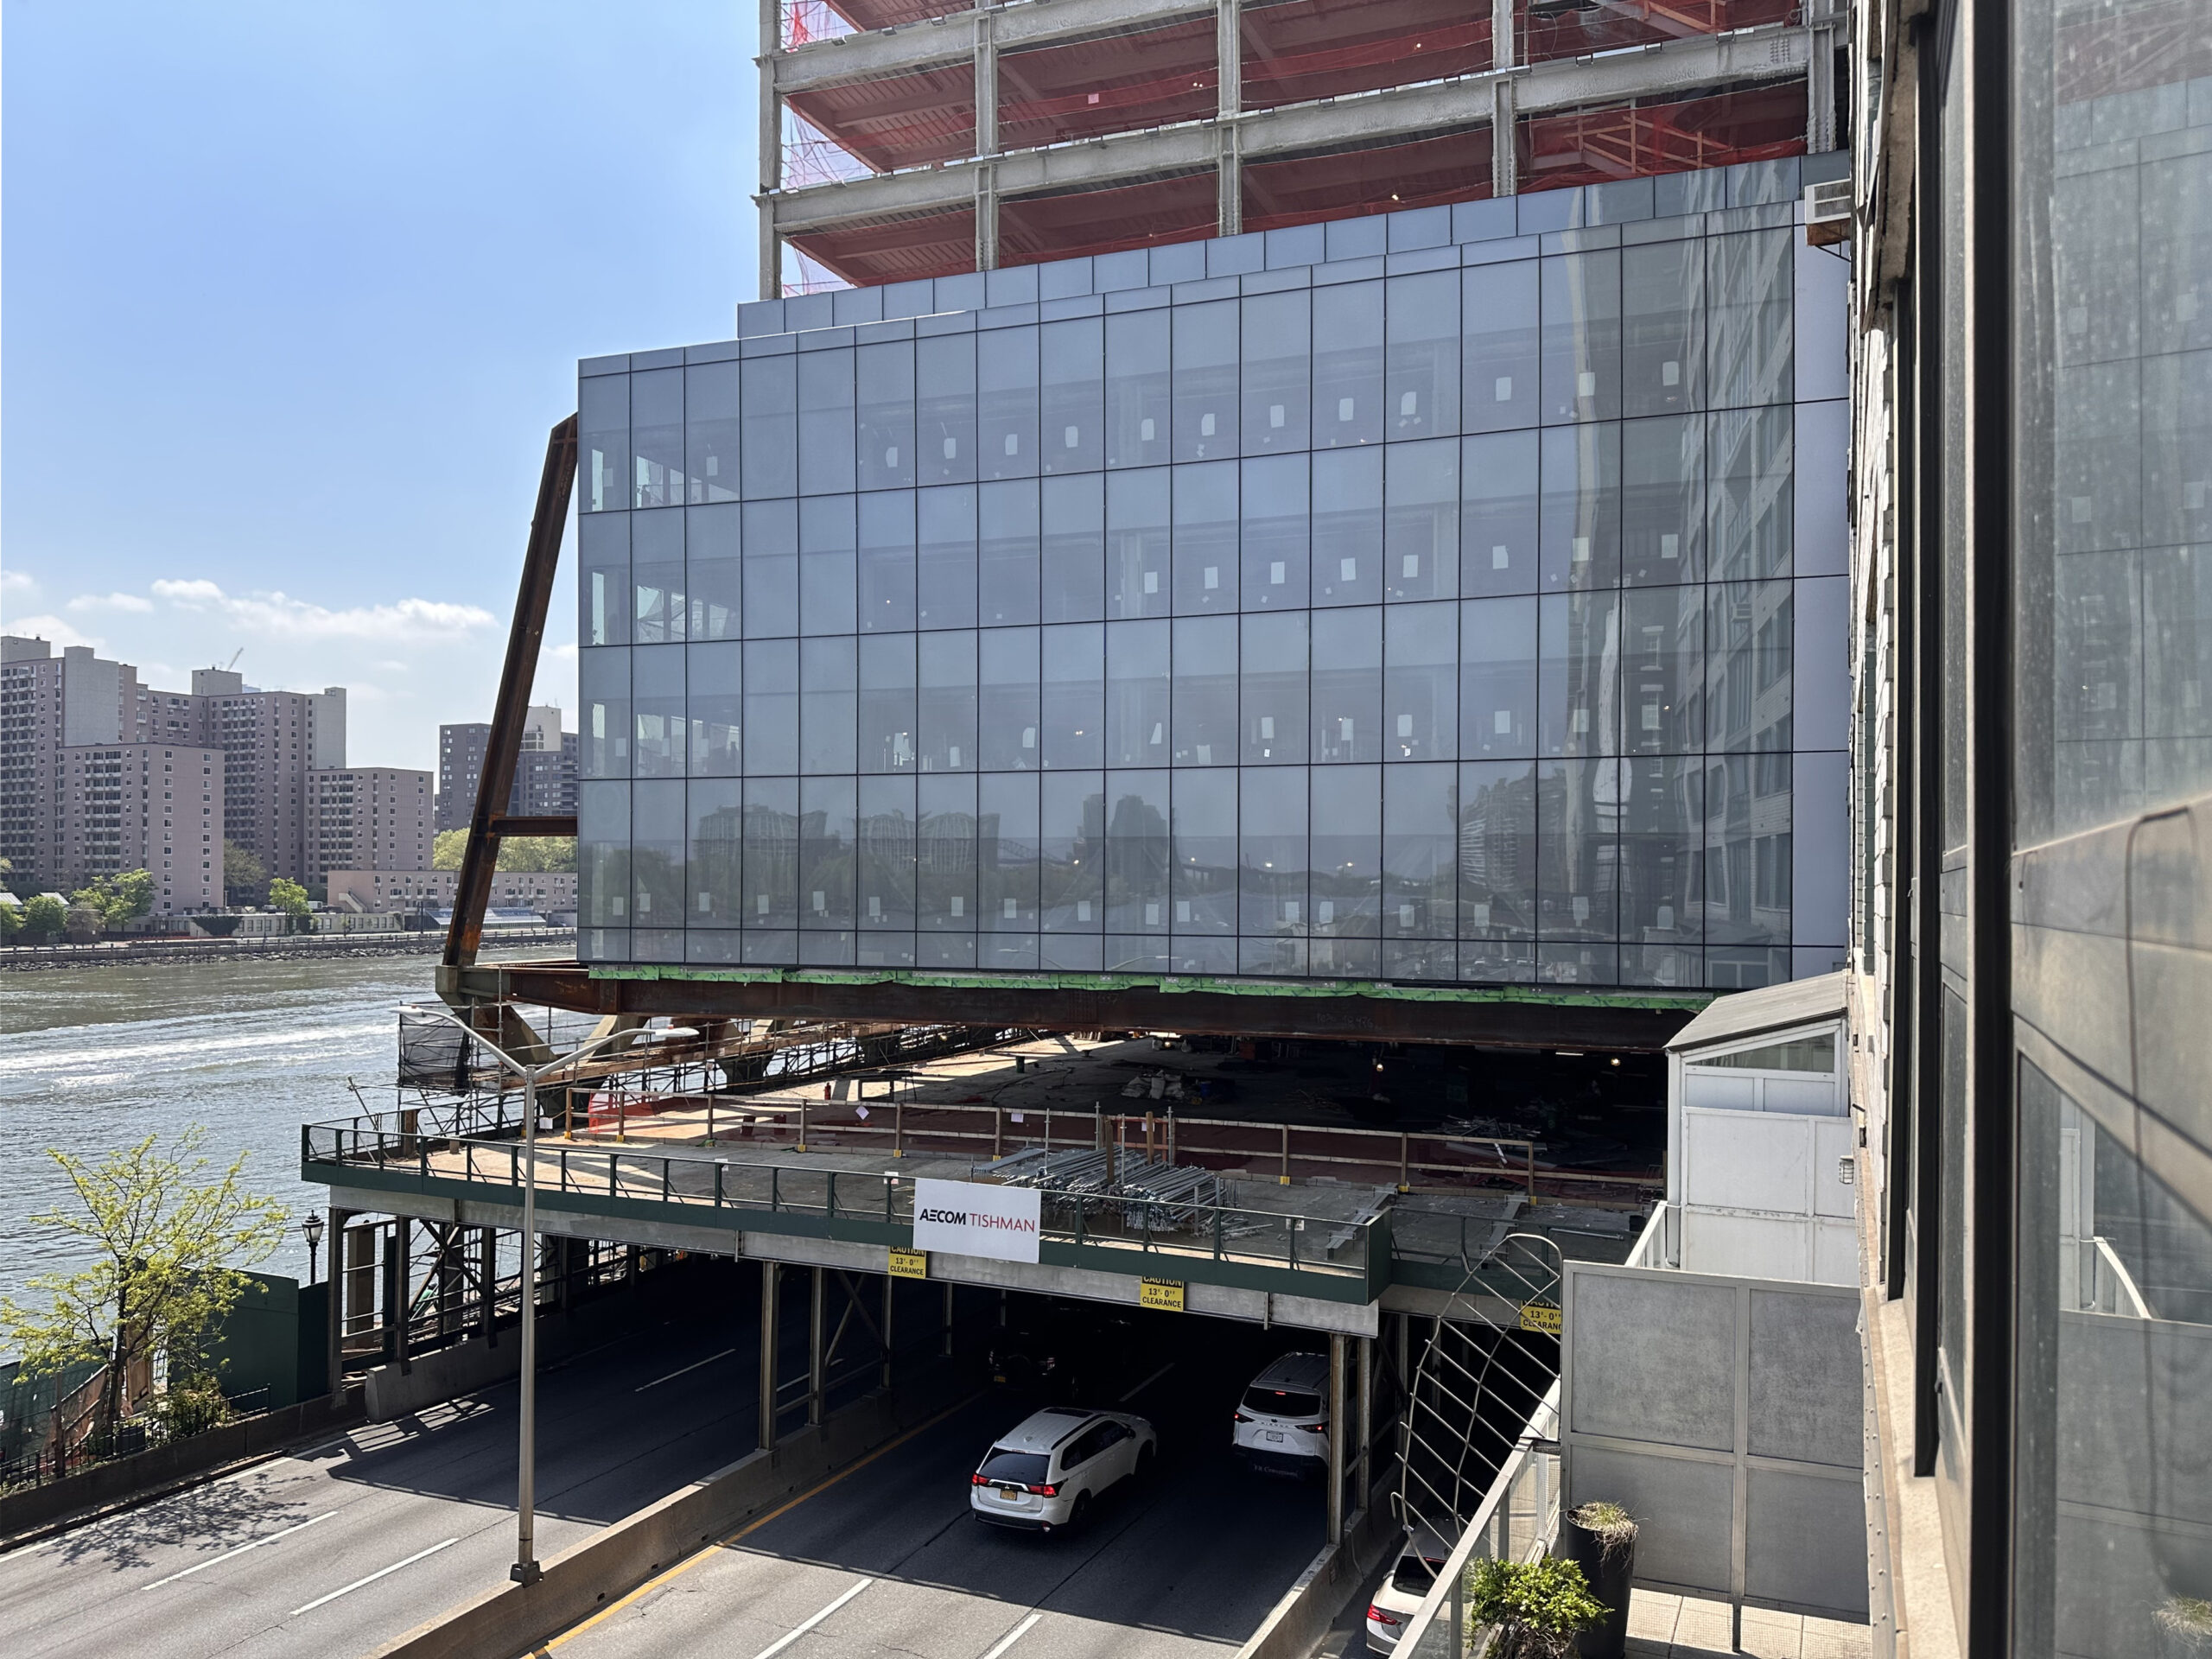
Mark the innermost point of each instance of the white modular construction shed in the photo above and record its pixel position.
(1760, 1137)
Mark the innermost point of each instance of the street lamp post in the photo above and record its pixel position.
(525, 1568)
(312, 1227)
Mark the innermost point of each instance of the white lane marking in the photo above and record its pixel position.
(214, 1561)
(382, 1571)
(779, 1645)
(681, 1370)
(1014, 1636)
(1133, 1394)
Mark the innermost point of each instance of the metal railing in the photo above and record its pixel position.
(1518, 1519)
(1351, 1247)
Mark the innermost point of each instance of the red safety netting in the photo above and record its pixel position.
(1305, 49)
(894, 250)
(1572, 31)
(1383, 180)
(889, 13)
(1632, 140)
(1121, 83)
(1035, 228)
(899, 121)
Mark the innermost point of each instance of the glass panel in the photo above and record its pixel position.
(826, 392)
(1420, 704)
(657, 837)
(770, 853)
(1661, 869)
(713, 574)
(1420, 520)
(887, 729)
(827, 834)
(1205, 852)
(603, 579)
(1348, 684)
(1498, 514)
(1497, 842)
(1205, 537)
(1582, 336)
(1749, 641)
(1750, 283)
(1497, 677)
(710, 431)
(828, 711)
(603, 686)
(1578, 849)
(657, 437)
(947, 667)
(1073, 366)
(1420, 384)
(1276, 531)
(603, 854)
(1347, 365)
(771, 707)
(1007, 555)
(1205, 380)
(1071, 853)
(1748, 863)
(1278, 373)
(657, 690)
(1272, 858)
(885, 411)
(1136, 693)
(887, 562)
(828, 572)
(944, 877)
(715, 701)
(1805, 1054)
(1663, 306)
(1075, 695)
(603, 442)
(1007, 833)
(945, 581)
(1074, 551)
(1347, 873)
(770, 560)
(1136, 389)
(1137, 854)
(1204, 691)
(769, 454)
(887, 854)
(1581, 540)
(657, 608)
(945, 372)
(1137, 544)
(1662, 500)
(1419, 827)
(1007, 699)
(1007, 395)
(1662, 657)
(1273, 688)
(1753, 498)
(1348, 527)
(1499, 347)
(717, 839)
(1577, 704)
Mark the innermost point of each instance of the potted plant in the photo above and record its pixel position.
(1538, 1608)
(1601, 1541)
(2184, 1626)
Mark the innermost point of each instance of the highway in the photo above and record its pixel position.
(348, 1544)
(887, 1559)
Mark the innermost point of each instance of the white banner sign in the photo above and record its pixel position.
(967, 1219)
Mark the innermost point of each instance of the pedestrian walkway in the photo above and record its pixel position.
(1685, 1627)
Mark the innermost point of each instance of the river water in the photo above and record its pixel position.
(97, 1057)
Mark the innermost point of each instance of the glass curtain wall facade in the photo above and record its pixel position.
(1457, 599)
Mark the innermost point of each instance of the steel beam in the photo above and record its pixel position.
(479, 860)
(1757, 56)
(944, 42)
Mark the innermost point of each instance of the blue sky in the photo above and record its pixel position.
(293, 293)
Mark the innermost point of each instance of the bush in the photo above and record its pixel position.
(1539, 1607)
(191, 1406)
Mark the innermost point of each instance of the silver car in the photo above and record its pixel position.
(1050, 1470)
(1282, 1423)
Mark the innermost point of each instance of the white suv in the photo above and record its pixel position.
(1283, 1423)
(1049, 1470)
(1399, 1598)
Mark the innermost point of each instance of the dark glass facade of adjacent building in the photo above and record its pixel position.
(1453, 596)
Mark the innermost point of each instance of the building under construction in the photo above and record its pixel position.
(911, 139)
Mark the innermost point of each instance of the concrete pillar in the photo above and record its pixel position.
(1229, 184)
(1362, 1475)
(394, 1293)
(1504, 147)
(816, 1366)
(986, 217)
(987, 82)
(1820, 79)
(771, 144)
(1229, 100)
(770, 1277)
(334, 1230)
(1501, 33)
(1337, 1404)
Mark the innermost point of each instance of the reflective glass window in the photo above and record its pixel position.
(1272, 685)
(828, 828)
(1662, 327)
(1204, 551)
(1753, 500)
(1204, 729)
(1008, 831)
(1499, 357)
(603, 579)
(657, 437)
(1278, 372)
(1272, 845)
(1136, 693)
(1006, 375)
(715, 862)
(1750, 641)
(1206, 390)
(945, 872)
(1072, 419)
(603, 686)
(768, 456)
(1006, 703)
(1580, 542)
(1421, 702)
(828, 572)
(883, 392)
(888, 726)
(1346, 873)
(1074, 696)
(1347, 365)
(1348, 527)
(1420, 380)
(828, 714)
(656, 840)
(1498, 502)
(711, 421)
(1578, 851)
(770, 853)
(1006, 543)
(1751, 314)
(1420, 520)
(944, 583)
(1137, 544)
(603, 442)
(1138, 852)
(887, 568)
(1136, 389)
(1071, 853)
(603, 854)
(714, 700)
(1496, 849)
(1662, 867)
(657, 611)
(946, 667)
(1662, 669)
(826, 396)
(886, 855)
(657, 700)
(712, 572)
(1497, 677)
(1662, 500)
(1073, 548)
(1204, 824)
(945, 376)
(771, 707)
(1577, 676)
(1582, 336)
(1348, 684)
(1275, 532)
(769, 552)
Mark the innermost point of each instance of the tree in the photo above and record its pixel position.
(168, 1237)
(289, 897)
(521, 854)
(11, 921)
(445, 849)
(118, 899)
(44, 916)
(245, 877)
(82, 922)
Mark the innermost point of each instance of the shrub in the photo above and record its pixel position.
(1539, 1607)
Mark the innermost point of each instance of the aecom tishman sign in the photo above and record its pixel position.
(967, 1219)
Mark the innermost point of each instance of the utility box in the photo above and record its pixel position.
(1761, 1143)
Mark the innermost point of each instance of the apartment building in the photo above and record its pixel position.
(272, 741)
(367, 818)
(545, 771)
(48, 705)
(156, 807)
(551, 893)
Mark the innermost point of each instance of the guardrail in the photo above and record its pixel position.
(864, 1205)
(1517, 1521)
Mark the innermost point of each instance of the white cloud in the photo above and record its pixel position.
(137, 603)
(52, 628)
(17, 582)
(278, 615)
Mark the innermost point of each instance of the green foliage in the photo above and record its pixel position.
(81, 922)
(1540, 1607)
(44, 916)
(166, 1232)
(289, 896)
(245, 877)
(521, 854)
(117, 898)
(445, 849)
(191, 1405)
(11, 920)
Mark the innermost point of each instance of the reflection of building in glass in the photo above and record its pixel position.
(1449, 596)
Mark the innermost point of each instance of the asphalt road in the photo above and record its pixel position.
(347, 1545)
(887, 1559)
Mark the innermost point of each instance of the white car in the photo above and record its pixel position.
(1051, 1469)
(1400, 1596)
(1282, 1424)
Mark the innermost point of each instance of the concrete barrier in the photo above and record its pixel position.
(508, 1621)
(147, 1474)
(1306, 1611)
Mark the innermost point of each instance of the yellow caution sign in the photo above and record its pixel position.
(1541, 1316)
(1165, 1294)
(910, 1264)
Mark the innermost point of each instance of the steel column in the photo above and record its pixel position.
(889, 1286)
(817, 1365)
(335, 1312)
(1337, 1403)
(769, 142)
(1364, 1486)
(771, 1276)
(488, 1245)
